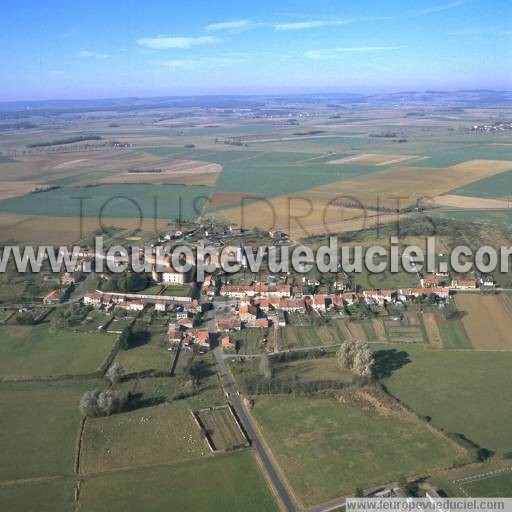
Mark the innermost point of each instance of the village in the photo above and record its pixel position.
(203, 314)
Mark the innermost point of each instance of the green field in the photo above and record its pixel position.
(150, 354)
(120, 201)
(498, 186)
(43, 496)
(326, 448)
(499, 486)
(217, 484)
(39, 427)
(307, 370)
(453, 333)
(250, 340)
(463, 392)
(222, 428)
(35, 351)
(148, 436)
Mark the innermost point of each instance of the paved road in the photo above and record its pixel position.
(229, 386)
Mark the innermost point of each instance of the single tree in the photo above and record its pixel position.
(89, 404)
(115, 373)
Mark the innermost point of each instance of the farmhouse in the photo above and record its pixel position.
(55, 297)
(464, 284)
(93, 299)
(430, 281)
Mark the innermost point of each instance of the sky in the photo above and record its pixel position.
(102, 49)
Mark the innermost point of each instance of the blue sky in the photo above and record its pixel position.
(71, 49)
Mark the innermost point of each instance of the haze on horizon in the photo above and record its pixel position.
(60, 50)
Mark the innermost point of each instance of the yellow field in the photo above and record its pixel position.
(471, 202)
(379, 329)
(487, 320)
(357, 331)
(432, 329)
(63, 230)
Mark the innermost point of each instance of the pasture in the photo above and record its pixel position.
(328, 447)
(459, 390)
(35, 351)
(147, 436)
(487, 320)
(39, 426)
(39, 496)
(226, 482)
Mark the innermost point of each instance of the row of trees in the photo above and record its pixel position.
(105, 403)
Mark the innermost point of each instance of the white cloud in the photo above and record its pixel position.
(165, 43)
(177, 63)
(232, 26)
(86, 54)
(196, 63)
(335, 52)
(300, 25)
(439, 8)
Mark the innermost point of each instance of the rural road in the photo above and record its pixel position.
(272, 473)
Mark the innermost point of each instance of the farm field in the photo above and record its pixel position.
(308, 370)
(330, 205)
(32, 351)
(457, 389)
(453, 333)
(154, 435)
(499, 186)
(39, 426)
(307, 336)
(498, 486)
(327, 448)
(43, 496)
(223, 428)
(153, 489)
(46, 229)
(122, 200)
(487, 320)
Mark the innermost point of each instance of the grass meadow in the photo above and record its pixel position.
(38, 428)
(225, 482)
(460, 391)
(35, 351)
(328, 447)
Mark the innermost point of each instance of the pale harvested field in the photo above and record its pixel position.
(373, 159)
(63, 230)
(474, 203)
(222, 198)
(432, 329)
(10, 189)
(487, 320)
(186, 172)
(327, 208)
(42, 167)
(380, 331)
(357, 331)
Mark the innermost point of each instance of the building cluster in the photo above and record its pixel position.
(498, 126)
